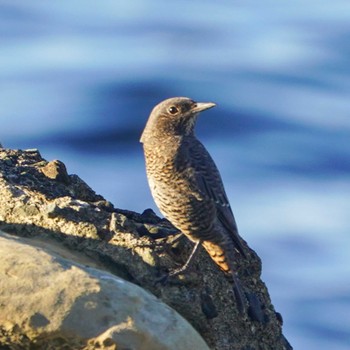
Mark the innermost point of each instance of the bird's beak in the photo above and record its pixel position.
(202, 106)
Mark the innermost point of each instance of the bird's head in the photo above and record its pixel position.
(174, 116)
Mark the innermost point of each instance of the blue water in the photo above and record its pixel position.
(78, 80)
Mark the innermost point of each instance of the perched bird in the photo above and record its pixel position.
(187, 187)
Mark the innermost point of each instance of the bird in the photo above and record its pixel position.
(187, 187)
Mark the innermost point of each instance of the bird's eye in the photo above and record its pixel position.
(173, 110)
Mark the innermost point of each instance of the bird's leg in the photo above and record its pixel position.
(176, 237)
(183, 268)
(186, 265)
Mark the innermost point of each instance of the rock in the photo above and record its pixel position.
(56, 170)
(49, 300)
(40, 201)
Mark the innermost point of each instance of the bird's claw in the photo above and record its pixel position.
(162, 280)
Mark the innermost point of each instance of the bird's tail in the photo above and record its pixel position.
(239, 294)
(223, 256)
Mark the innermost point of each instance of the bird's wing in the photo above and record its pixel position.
(207, 181)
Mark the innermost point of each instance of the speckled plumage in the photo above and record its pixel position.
(186, 184)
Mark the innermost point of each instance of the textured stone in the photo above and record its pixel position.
(56, 170)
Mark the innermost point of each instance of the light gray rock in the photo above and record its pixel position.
(55, 303)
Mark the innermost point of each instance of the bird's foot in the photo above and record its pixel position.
(165, 277)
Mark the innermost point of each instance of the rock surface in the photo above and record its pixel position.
(40, 201)
(50, 301)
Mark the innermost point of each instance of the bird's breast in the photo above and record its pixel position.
(177, 201)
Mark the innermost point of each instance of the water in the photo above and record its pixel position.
(79, 79)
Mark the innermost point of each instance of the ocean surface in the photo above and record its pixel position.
(79, 79)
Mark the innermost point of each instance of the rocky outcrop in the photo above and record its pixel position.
(73, 230)
(52, 302)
